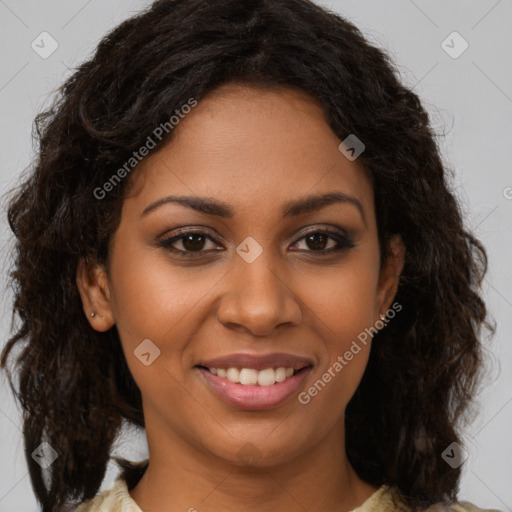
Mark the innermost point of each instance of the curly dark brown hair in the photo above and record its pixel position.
(74, 385)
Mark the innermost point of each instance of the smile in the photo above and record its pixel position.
(250, 389)
(251, 377)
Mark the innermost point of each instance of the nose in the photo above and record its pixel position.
(258, 299)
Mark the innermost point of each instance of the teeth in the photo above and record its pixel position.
(267, 377)
(280, 374)
(251, 377)
(233, 374)
(248, 377)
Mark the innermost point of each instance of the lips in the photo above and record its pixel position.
(257, 362)
(256, 390)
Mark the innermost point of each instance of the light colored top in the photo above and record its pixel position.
(118, 499)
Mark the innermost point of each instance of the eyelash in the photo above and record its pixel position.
(344, 242)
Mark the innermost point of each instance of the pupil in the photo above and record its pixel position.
(318, 241)
(188, 242)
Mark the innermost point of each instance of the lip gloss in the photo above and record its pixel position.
(254, 397)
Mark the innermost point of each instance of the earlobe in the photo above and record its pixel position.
(94, 290)
(390, 274)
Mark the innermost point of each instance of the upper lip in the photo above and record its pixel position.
(258, 361)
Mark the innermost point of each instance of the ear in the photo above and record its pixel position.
(390, 275)
(93, 286)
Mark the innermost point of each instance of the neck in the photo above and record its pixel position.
(182, 476)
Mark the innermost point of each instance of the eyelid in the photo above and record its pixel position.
(343, 239)
(333, 232)
(324, 228)
(167, 241)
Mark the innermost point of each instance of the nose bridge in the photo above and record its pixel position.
(258, 296)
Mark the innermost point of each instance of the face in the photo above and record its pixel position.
(272, 262)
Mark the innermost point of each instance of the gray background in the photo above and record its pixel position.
(469, 97)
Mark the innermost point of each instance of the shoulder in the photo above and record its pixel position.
(115, 499)
(386, 499)
(461, 506)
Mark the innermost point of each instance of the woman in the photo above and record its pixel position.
(239, 235)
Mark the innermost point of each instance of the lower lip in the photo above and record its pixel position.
(254, 397)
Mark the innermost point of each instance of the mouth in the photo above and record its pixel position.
(254, 377)
(253, 383)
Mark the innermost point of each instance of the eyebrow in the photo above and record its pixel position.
(290, 209)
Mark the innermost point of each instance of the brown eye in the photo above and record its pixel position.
(322, 242)
(317, 241)
(193, 242)
(188, 243)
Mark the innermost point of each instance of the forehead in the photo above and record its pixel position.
(242, 142)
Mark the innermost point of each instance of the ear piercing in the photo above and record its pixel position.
(382, 317)
(93, 314)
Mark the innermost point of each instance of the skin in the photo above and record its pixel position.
(238, 144)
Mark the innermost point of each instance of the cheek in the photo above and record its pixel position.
(344, 297)
(153, 301)
(151, 296)
(343, 305)
(349, 317)
(343, 308)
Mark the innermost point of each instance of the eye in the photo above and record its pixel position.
(326, 241)
(188, 242)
